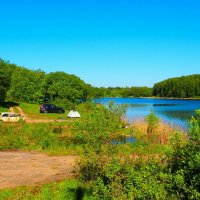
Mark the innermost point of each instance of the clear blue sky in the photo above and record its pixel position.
(105, 42)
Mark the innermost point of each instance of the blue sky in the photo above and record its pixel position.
(105, 42)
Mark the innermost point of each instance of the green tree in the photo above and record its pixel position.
(181, 87)
(60, 85)
(26, 85)
(185, 163)
(6, 70)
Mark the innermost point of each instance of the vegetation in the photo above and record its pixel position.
(69, 137)
(122, 92)
(25, 85)
(181, 87)
(162, 163)
(174, 174)
(6, 70)
(66, 190)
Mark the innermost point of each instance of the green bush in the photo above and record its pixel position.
(98, 128)
(152, 121)
(175, 176)
(185, 163)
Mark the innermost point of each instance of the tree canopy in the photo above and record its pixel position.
(6, 70)
(123, 92)
(180, 87)
(60, 85)
(35, 86)
(26, 85)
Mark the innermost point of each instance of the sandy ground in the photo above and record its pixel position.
(19, 168)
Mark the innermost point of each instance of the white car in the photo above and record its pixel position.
(11, 117)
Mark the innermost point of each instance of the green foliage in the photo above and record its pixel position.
(3, 109)
(6, 70)
(152, 122)
(65, 190)
(185, 163)
(32, 136)
(60, 85)
(175, 176)
(181, 87)
(100, 127)
(122, 92)
(115, 178)
(26, 86)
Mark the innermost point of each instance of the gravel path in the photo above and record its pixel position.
(19, 168)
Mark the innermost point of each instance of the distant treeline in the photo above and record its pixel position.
(35, 86)
(123, 92)
(180, 87)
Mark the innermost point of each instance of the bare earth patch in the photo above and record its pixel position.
(19, 168)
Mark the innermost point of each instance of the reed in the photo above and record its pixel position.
(161, 134)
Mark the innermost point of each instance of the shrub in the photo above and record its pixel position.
(152, 121)
(185, 163)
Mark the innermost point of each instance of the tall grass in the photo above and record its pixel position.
(161, 134)
(41, 137)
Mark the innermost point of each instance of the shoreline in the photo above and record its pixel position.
(153, 97)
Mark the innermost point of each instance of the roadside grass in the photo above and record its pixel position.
(32, 110)
(73, 136)
(47, 137)
(3, 109)
(68, 189)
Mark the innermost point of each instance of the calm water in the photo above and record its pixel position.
(176, 112)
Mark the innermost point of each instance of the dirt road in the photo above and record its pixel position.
(34, 119)
(19, 168)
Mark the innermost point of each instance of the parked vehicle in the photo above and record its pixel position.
(50, 108)
(11, 117)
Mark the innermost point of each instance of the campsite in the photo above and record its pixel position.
(100, 100)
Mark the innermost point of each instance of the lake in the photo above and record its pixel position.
(174, 111)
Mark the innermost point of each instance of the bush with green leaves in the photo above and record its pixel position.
(152, 122)
(124, 178)
(99, 128)
(176, 175)
(185, 163)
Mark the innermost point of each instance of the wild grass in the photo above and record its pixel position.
(97, 128)
(32, 110)
(3, 109)
(161, 134)
(65, 190)
(47, 137)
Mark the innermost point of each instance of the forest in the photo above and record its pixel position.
(180, 87)
(35, 86)
(123, 92)
(25, 85)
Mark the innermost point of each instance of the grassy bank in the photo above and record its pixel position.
(161, 164)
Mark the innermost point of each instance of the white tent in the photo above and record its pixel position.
(73, 114)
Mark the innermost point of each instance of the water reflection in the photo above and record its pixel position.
(124, 140)
(177, 112)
